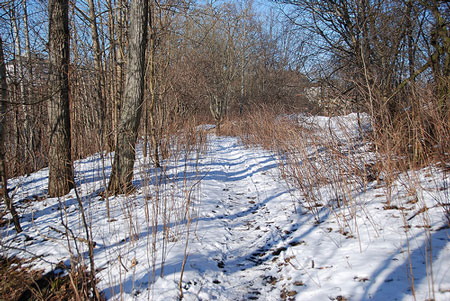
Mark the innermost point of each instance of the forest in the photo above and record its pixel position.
(128, 128)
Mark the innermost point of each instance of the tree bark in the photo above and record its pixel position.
(25, 140)
(60, 162)
(98, 64)
(153, 109)
(3, 177)
(125, 152)
(118, 52)
(31, 136)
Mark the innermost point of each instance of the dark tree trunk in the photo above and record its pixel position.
(124, 157)
(3, 177)
(59, 156)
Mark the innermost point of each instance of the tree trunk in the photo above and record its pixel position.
(124, 157)
(3, 177)
(153, 110)
(31, 136)
(121, 18)
(99, 75)
(59, 157)
(25, 135)
(110, 77)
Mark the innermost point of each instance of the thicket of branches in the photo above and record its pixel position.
(202, 61)
(79, 77)
(390, 59)
(216, 60)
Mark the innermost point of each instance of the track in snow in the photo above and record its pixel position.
(239, 244)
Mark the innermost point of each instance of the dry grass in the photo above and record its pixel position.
(19, 281)
(320, 164)
(417, 136)
(169, 197)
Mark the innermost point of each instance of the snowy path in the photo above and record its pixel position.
(249, 241)
(244, 222)
(240, 241)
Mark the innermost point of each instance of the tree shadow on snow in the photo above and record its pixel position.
(397, 285)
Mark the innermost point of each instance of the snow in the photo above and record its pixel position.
(249, 236)
(346, 127)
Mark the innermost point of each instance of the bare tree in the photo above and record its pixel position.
(124, 157)
(440, 57)
(60, 162)
(119, 27)
(356, 36)
(374, 45)
(163, 17)
(29, 131)
(151, 82)
(26, 138)
(98, 63)
(219, 58)
(3, 177)
(116, 19)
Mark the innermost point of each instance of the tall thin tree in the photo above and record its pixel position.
(98, 64)
(3, 176)
(28, 73)
(125, 152)
(59, 157)
(20, 78)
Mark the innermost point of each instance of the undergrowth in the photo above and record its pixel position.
(20, 281)
(340, 160)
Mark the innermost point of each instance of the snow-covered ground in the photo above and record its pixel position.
(249, 237)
